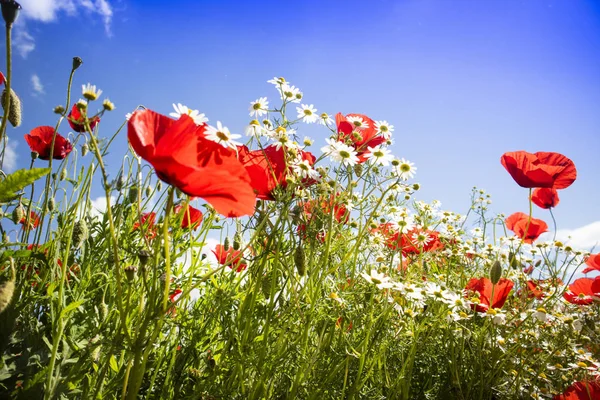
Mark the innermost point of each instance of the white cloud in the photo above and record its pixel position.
(582, 238)
(10, 157)
(38, 88)
(99, 205)
(49, 10)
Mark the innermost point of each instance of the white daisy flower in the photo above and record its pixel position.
(281, 136)
(380, 280)
(325, 119)
(340, 152)
(379, 155)
(259, 107)
(404, 169)
(254, 129)
(180, 110)
(277, 81)
(303, 169)
(221, 135)
(90, 92)
(290, 93)
(108, 105)
(384, 128)
(358, 122)
(307, 113)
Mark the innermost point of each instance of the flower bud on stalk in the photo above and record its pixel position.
(84, 149)
(14, 108)
(59, 109)
(237, 241)
(120, 182)
(80, 233)
(226, 243)
(51, 204)
(133, 194)
(148, 191)
(300, 260)
(63, 174)
(18, 213)
(495, 272)
(7, 288)
(77, 63)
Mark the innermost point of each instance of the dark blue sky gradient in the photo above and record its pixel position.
(462, 81)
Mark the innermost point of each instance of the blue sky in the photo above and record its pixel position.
(461, 81)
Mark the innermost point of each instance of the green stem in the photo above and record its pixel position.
(8, 82)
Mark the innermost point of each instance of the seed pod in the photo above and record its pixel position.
(144, 257)
(495, 272)
(7, 288)
(10, 11)
(77, 61)
(237, 241)
(14, 108)
(130, 271)
(18, 213)
(80, 233)
(299, 260)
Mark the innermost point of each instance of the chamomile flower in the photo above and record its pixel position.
(90, 92)
(308, 113)
(281, 136)
(108, 105)
(259, 107)
(180, 110)
(254, 129)
(221, 135)
(277, 81)
(325, 119)
(384, 128)
(379, 155)
(290, 93)
(358, 122)
(404, 169)
(340, 152)
(303, 169)
(380, 280)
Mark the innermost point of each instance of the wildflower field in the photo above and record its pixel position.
(262, 266)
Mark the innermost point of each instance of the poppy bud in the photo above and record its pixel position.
(10, 11)
(51, 204)
(84, 149)
(537, 263)
(495, 272)
(80, 233)
(130, 271)
(159, 186)
(63, 174)
(59, 110)
(18, 213)
(144, 257)
(77, 61)
(237, 241)
(358, 169)
(34, 155)
(133, 194)
(226, 244)
(148, 191)
(13, 103)
(300, 260)
(120, 182)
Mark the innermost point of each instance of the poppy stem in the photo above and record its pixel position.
(554, 222)
(7, 90)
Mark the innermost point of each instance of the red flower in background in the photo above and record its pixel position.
(484, 287)
(2, 78)
(183, 157)
(581, 391)
(327, 206)
(540, 170)
(192, 216)
(593, 263)
(147, 220)
(267, 169)
(527, 230)
(40, 141)
(545, 197)
(360, 131)
(408, 242)
(77, 120)
(583, 290)
(34, 220)
(231, 257)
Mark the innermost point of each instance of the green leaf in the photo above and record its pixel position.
(19, 180)
(70, 308)
(113, 363)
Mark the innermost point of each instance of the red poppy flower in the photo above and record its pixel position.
(593, 263)
(326, 207)
(192, 216)
(542, 169)
(360, 137)
(40, 141)
(527, 230)
(267, 169)
(484, 287)
(231, 257)
(533, 289)
(183, 157)
(545, 197)
(407, 242)
(34, 220)
(583, 291)
(581, 391)
(2, 78)
(77, 120)
(147, 221)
